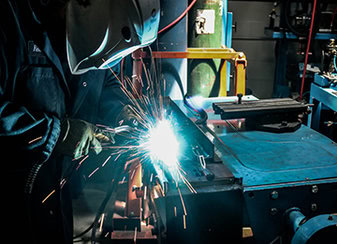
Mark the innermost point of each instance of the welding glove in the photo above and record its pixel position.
(128, 117)
(78, 136)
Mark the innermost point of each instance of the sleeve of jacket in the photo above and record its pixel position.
(23, 133)
(112, 100)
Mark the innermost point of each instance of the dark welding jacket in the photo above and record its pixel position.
(36, 93)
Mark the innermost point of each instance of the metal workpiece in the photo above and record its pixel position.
(277, 115)
(199, 161)
(255, 108)
(191, 134)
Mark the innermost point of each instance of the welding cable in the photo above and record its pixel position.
(179, 18)
(29, 185)
(112, 191)
(101, 209)
(113, 188)
(83, 233)
(308, 47)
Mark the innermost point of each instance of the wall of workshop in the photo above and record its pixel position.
(251, 18)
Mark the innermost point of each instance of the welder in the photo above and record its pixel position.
(57, 59)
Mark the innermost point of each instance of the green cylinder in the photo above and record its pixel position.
(204, 31)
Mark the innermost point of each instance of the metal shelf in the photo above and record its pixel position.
(290, 35)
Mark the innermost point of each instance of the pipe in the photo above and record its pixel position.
(295, 218)
(179, 18)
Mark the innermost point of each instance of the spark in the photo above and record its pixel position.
(154, 142)
(34, 140)
(46, 198)
(135, 235)
(93, 172)
(189, 185)
(133, 174)
(106, 161)
(118, 156)
(63, 182)
(80, 163)
(77, 158)
(184, 221)
(182, 201)
(145, 192)
(101, 223)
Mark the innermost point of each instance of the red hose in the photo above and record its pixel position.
(308, 47)
(179, 18)
(333, 17)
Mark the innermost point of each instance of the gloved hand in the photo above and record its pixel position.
(78, 136)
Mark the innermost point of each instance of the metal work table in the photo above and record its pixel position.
(264, 158)
(279, 171)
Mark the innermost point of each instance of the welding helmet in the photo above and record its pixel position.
(100, 33)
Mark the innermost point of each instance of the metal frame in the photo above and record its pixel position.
(227, 54)
(320, 96)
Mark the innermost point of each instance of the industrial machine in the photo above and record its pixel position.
(273, 181)
(323, 94)
(301, 29)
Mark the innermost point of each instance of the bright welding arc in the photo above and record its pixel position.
(161, 144)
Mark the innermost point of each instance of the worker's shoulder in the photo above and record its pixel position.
(10, 18)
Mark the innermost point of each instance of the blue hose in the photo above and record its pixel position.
(334, 62)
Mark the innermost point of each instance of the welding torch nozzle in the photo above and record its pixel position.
(110, 133)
